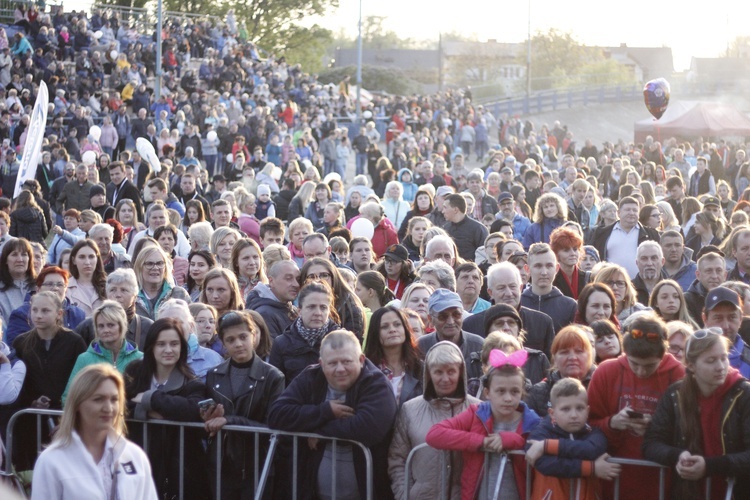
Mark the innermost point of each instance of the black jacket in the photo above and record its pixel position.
(601, 235)
(695, 298)
(291, 353)
(265, 385)
(127, 191)
(282, 201)
(664, 439)
(562, 284)
(538, 396)
(29, 223)
(302, 408)
(640, 287)
(539, 327)
(177, 400)
(469, 234)
(278, 315)
(554, 304)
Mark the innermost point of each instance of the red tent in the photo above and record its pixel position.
(704, 119)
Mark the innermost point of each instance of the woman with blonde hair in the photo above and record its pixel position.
(618, 280)
(275, 253)
(690, 207)
(92, 423)
(221, 290)
(153, 271)
(708, 230)
(678, 333)
(221, 244)
(668, 301)
(248, 264)
(550, 213)
(300, 202)
(668, 218)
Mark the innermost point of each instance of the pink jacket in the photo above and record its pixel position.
(466, 432)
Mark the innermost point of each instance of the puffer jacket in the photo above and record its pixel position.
(29, 223)
(466, 433)
(291, 353)
(665, 438)
(538, 397)
(414, 420)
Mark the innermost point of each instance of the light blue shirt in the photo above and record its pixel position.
(201, 359)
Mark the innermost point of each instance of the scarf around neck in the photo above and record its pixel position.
(312, 336)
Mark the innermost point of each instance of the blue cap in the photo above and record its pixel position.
(443, 299)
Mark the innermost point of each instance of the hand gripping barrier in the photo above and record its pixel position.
(445, 473)
(260, 474)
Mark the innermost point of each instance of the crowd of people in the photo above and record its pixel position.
(283, 267)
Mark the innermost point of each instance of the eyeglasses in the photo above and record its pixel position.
(675, 349)
(320, 276)
(650, 336)
(152, 265)
(616, 284)
(519, 254)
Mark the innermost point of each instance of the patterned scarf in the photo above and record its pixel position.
(312, 336)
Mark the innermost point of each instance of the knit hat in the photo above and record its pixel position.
(500, 311)
(263, 189)
(96, 190)
(592, 252)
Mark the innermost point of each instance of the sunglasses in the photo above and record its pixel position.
(702, 334)
(650, 336)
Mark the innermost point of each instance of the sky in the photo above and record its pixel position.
(689, 28)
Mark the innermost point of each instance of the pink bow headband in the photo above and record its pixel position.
(499, 359)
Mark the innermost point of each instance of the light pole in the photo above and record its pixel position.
(158, 48)
(359, 66)
(528, 56)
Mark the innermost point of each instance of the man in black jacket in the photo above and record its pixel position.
(274, 300)
(618, 242)
(344, 397)
(710, 273)
(121, 188)
(469, 234)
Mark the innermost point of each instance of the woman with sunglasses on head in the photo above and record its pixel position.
(242, 388)
(299, 346)
(391, 347)
(701, 425)
(162, 386)
(624, 393)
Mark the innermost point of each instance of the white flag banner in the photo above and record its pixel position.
(34, 138)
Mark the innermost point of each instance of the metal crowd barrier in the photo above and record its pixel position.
(445, 475)
(260, 475)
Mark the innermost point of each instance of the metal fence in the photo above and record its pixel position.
(262, 468)
(493, 485)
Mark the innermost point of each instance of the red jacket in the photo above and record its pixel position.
(385, 236)
(466, 432)
(614, 386)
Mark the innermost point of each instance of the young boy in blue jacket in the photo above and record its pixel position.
(563, 448)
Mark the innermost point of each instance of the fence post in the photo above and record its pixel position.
(261, 485)
(500, 473)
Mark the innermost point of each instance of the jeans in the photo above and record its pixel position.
(481, 149)
(361, 163)
(328, 166)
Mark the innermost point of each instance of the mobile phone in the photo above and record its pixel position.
(634, 414)
(206, 404)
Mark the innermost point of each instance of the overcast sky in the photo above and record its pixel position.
(687, 29)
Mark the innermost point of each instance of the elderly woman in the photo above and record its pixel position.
(153, 270)
(222, 242)
(445, 395)
(200, 234)
(299, 229)
(551, 212)
(111, 345)
(385, 233)
(17, 275)
(394, 206)
(572, 356)
(51, 279)
(122, 287)
(618, 280)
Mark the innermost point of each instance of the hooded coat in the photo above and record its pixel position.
(414, 420)
(278, 315)
(410, 188)
(29, 223)
(554, 304)
(613, 386)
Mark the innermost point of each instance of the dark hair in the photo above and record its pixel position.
(603, 328)
(210, 260)
(319, 287)
(339, 289)
(271, 224)
(23, 245)
(264, 334)
(646, 337)
(407, 274)
(645, 214)
(375, 280)
(148, 367)
(169, 228)
(409, 350)
(627, 200)
(583, 300)
(504, 371)
(414, 205)
(457, 201)
(99, 278)
(196, 204)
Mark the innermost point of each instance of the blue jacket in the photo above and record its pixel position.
(410, 189)
(540, 232)
(302, 408)
(572, 449)
(201, 359)
(20, 320)
(686, 274)
(738, 358)
(520, 225)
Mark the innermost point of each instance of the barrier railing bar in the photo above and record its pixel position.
(295, 453)
(182, 462)
(445, 475)
(333, 470)
(218, 438)
(662, 482)
(730, 488)
(500, 473)
(256, 456)
(261, 485)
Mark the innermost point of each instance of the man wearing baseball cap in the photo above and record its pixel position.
(723, 310)
(436, 217)
(395, 258)
(447, 313)
(507, 212)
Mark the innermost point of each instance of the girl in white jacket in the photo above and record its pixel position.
(90, 456)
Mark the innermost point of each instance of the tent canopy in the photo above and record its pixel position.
(692, 119)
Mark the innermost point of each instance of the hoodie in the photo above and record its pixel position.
(614, 386)
(415, 419)
(410, 188)
(685, 275)
(554, 304)
(278, 315)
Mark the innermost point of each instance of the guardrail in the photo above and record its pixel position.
(445, 475)
(260, 475)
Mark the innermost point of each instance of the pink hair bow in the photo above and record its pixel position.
(498, 358)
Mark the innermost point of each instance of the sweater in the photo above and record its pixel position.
(554, 304)
(468, 234)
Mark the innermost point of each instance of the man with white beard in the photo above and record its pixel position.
(650, 261)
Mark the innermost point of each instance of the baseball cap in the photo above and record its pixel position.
(712, 200)
(721, 295)
(510, 159)
(397, 252)
(444, 191)
(504, 196)
(506, 169)
(443, 299)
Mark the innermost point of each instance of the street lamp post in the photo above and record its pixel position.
(359, 67)
(528, 56)
(159, 21)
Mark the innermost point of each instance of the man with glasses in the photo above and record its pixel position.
(50, 279)
(710, 273)
(446, 311)
(723, 313)
(678, 265)
(618, 242)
